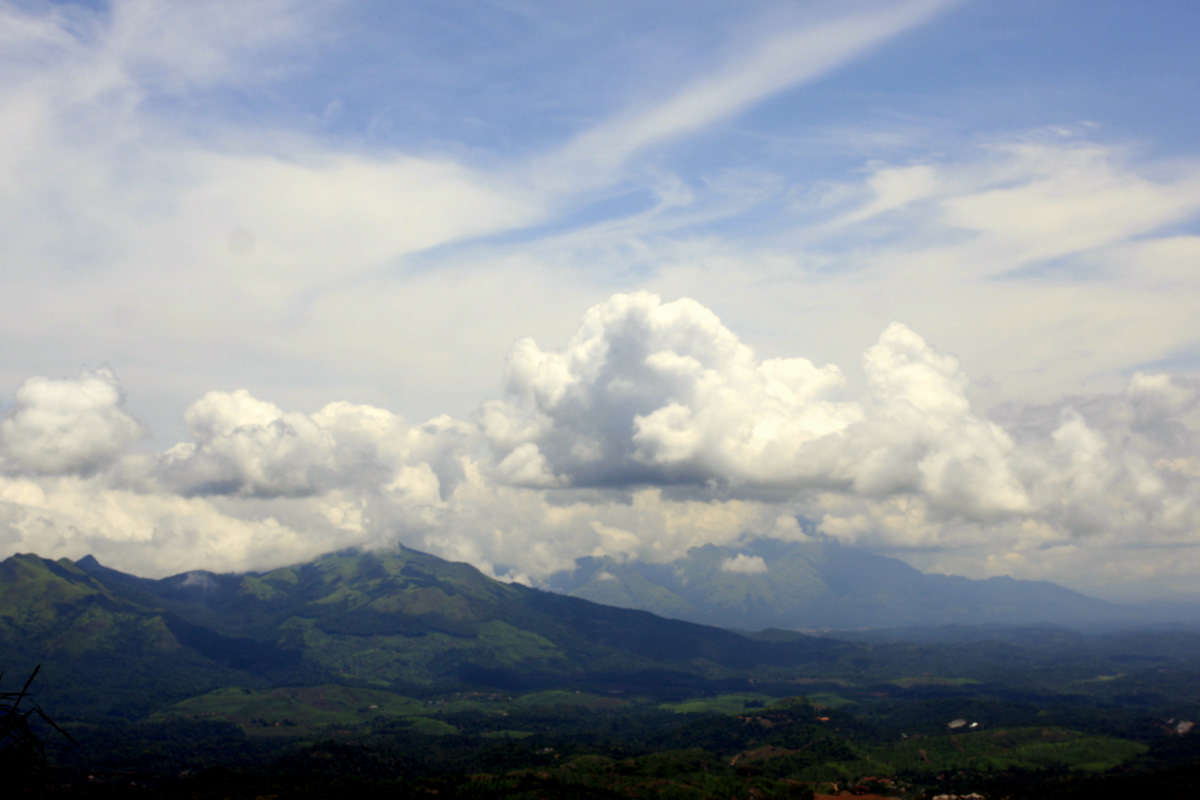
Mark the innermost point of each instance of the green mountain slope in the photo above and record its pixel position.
(815, 584)
(68, 613)
(402, 621)
(101, 649)
(411, 617)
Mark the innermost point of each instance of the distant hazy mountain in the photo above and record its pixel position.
(819, 584)
(401, 621)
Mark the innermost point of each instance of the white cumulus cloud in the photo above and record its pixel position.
(745, 565)
(652, 431)
(659, 393)
(67, 426)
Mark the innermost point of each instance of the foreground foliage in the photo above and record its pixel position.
(556, 744)
(21, 749)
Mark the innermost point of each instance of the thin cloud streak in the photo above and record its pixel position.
(778, 62)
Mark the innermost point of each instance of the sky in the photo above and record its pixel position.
(517, 282)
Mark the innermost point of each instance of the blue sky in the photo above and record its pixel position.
(518, 282)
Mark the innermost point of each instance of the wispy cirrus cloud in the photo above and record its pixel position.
(779, 60)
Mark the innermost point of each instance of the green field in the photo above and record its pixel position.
(292, 710)
(721, 704)
(930, 680)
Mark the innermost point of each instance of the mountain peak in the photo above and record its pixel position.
(88, 563)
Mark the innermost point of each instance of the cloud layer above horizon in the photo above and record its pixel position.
(921, 275)
(653, 430)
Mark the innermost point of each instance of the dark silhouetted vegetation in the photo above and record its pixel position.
(22, 751)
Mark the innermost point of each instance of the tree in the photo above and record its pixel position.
(21, 750)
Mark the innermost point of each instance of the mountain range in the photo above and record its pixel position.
(402, 621)
(410, 623)
(813, 584)
(409, 665)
